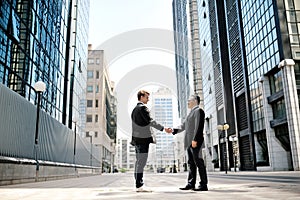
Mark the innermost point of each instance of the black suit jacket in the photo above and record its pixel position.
(141, 125)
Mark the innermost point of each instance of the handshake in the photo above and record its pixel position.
(168, 130)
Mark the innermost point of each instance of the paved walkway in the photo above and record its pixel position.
(252, 185)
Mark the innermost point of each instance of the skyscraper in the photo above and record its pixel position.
(181, 54)
(47, 41)
(271, 34)
(162, 112)
(253, 95)
(195, 48)
(206, 63)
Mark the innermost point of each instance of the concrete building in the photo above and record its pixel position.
(125, 155)
(195, 48)
(100, 108)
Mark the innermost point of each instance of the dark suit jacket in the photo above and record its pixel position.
(193, 126)
(141, 125)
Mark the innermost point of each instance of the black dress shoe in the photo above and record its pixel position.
(187, 187)
(201, 188)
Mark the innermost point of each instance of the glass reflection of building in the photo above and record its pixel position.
(181, 54)
(260, 34)
(43, 40)
(271, 35)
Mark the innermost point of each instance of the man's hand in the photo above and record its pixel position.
(168, 130)
(194, 144)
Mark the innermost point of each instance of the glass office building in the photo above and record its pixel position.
(248, 41)
(162, 112)
(271, 35)
(47, 41)
(181, 55)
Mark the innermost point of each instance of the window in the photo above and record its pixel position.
(279, 111)
(97, 61)
(89, 118)
(97, 74)
(96, 104)
(87, 134)
(276, 83)
(96, 134)
(96, 118)
(89, 103)
(79, 66)
(90, 74)
(91, 61)
(97, 88)
(89, 88)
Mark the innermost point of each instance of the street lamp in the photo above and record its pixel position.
(39, 88)
(224, 128)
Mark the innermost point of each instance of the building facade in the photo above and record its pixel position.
(125, 156)
(255, 95)
(181, 54)
(162, 111)
(274, 88)
(45, 40)
(206, 63)
(195, 50)
(100, 125)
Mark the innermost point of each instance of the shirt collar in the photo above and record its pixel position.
(140, 102)
(194, 107)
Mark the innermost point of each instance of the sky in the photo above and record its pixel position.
(110, 19)
(138, 43)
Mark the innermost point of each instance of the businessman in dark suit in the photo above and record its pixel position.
(193, 143)
(142, 136)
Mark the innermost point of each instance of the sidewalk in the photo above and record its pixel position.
(239, 185)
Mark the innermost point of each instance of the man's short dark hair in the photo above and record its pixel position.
(197, 98)
(142, 93)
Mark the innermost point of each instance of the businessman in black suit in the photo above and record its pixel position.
(193, 143)
(142, 136)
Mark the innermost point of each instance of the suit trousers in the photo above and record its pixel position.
(141, 153)
(195, 160)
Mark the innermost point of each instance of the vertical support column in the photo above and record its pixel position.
(292, 108)
(277, 155)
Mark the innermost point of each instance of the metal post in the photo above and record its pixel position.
(174, 166)
(225, 152)
(235, 162)
(74, 153)
(39, 88)
(226, 149)
(36, 142)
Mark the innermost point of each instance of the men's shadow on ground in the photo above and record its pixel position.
(227, 191)
(119, 192)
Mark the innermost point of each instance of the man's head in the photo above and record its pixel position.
(143, 96)
(193, 101)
